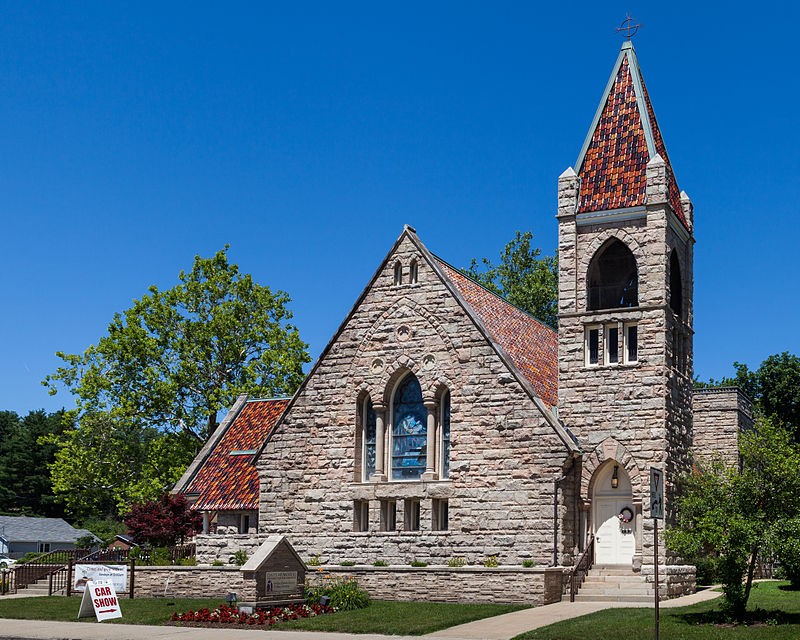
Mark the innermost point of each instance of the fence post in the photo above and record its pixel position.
(69, 578)
(133, 576)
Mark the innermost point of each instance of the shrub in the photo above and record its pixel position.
(238, 558)
(314, 561)
(458, 561)
(528, 563)
(345, 593)
(31, 555)
(160, 557)
(188, 562)
(218, 563)
(418, 563)
(491, 561)
(347, 563)
(380, 563)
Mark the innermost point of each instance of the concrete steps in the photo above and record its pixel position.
(611, 583)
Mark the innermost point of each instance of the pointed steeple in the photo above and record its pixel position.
(623, 138)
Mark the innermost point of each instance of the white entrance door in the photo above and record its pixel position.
(614, 539)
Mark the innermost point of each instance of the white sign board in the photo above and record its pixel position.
(116, 573)
(101, 598)
(656, 493)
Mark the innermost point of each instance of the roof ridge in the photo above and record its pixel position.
(495, 294)
(272, 399)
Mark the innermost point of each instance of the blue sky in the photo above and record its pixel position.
(306, 135)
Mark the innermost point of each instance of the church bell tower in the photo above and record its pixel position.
(625, 317)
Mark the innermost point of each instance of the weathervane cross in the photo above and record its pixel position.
(628, 27)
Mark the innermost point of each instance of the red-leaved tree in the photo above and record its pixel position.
(164, 522)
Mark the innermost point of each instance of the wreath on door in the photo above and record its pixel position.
(626, 515)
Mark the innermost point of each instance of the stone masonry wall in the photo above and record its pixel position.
(192, 582)
(504, 455)
(222, 546)
(719, 415)
(429, 584)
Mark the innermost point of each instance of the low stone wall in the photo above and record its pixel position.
(674, 580)
(457, 584)
(211, 546)
(432, 584)
(193, 582)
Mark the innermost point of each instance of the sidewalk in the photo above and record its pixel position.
(497, 628)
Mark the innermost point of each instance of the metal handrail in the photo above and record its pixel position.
(581, 568)
(40, 567)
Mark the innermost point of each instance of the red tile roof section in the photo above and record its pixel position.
(531, 345)
(674, 193)
(613, 171)
(227, 482)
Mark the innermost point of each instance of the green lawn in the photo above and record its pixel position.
(136, 611)
(401, 618)
(775, 615)
(395, 618)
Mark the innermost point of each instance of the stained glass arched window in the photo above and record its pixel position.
(409, 431)
(445, 422)
(369, 439)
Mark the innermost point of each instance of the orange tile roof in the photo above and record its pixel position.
(613, 164)
(226, 481)
(531, 345)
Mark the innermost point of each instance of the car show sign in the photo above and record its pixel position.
(101, 599)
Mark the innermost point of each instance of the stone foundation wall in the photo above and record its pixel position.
(430, 584)
(674, 580)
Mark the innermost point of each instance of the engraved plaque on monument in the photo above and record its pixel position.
(278, 571)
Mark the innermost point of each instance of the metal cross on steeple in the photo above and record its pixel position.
(628, 27)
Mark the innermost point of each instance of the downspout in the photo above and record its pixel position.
(556, 482)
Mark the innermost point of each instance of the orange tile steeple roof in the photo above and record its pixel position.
(623, 138)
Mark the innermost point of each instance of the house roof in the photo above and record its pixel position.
(623, 138)
(227, 478)
(530, 344)
(28, 529)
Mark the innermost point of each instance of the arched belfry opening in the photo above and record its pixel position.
(675, 284)
(613, 278)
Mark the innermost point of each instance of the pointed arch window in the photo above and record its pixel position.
(613, 278)
(444, 421)
(369, 439)
(398, 274)
(409, 430)
(413, 277)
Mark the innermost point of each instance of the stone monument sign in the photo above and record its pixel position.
(278, 572)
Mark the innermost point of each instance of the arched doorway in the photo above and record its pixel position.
(612, 496)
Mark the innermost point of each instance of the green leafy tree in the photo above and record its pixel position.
(728, 513)
(524, 277)
(774, 387)
(25, 483)
(177, 357)
(149, 391)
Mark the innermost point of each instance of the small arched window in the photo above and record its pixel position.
(675, 284)
(413, 277)
(369, 428)
(444, 420)
(409, 430)
(613, 278)
(398, 274)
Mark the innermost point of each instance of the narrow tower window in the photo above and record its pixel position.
(631, 343)
(413, 276)
(398, 274)
(593, 346)
(675, 284)
(612, 344)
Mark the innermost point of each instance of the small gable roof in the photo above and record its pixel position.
(227, 479)
(27, 529)
(623, 138)
(530, 344)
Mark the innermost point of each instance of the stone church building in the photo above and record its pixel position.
(442, 422)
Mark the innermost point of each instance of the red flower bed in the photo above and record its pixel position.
(231, 615)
